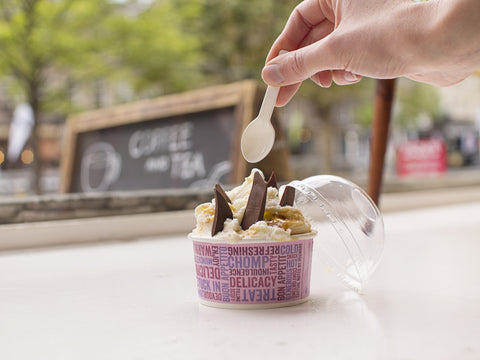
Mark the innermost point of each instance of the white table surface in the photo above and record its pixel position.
(137, 300)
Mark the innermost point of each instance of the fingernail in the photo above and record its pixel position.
(350, 77)
(272, 75)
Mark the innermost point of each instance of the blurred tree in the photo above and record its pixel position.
(49, 47)
(237, 35)
(33, 42)
(156, 50)
(412, 100)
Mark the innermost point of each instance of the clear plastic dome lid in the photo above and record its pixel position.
(349, 226)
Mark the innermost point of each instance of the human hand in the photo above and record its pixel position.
(341, 41)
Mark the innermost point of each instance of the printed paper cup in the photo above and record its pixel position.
(253, 274)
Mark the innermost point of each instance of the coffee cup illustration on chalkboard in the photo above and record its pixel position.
(218, 172)
(100, 168)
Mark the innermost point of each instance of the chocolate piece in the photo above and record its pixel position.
(222, 192)
(288, 196)
(222, 209)
(256, 202)
(272, 182)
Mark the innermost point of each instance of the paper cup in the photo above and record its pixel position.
(252, 274)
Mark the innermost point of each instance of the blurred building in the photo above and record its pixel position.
(335, 142)
(93, 95)
(461, 103)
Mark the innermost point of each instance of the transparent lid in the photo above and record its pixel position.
(349, 226)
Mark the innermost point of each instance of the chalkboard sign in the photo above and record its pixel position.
(176, 141)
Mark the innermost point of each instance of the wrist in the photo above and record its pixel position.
(452, 41)
(420, 36)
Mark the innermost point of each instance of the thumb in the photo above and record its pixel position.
(298, 65)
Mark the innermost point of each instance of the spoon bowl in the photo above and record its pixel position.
(259, 136)
(257, 140)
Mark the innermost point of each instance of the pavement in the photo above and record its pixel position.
(428, 198)
(456, 177)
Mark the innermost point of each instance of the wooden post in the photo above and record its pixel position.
(379, 137)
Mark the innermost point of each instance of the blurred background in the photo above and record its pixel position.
(58, 58)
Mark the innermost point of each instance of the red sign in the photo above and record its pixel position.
(421, 157)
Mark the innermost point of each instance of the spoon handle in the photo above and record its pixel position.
(268, 103)
(270, 99)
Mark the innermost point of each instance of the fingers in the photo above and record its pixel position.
(318, 32)
(298, 65)
(309, 37)
(305, 17)
(313, 61)
(286, 93)
(323, 78)
(342, 77)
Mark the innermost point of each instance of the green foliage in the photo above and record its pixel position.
(413, 100)
(41, 38)
(49, 47)
(237, 35)
(156, 48)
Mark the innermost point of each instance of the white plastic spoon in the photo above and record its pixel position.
(259, 136)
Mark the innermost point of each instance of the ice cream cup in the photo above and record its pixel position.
(253, 274)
